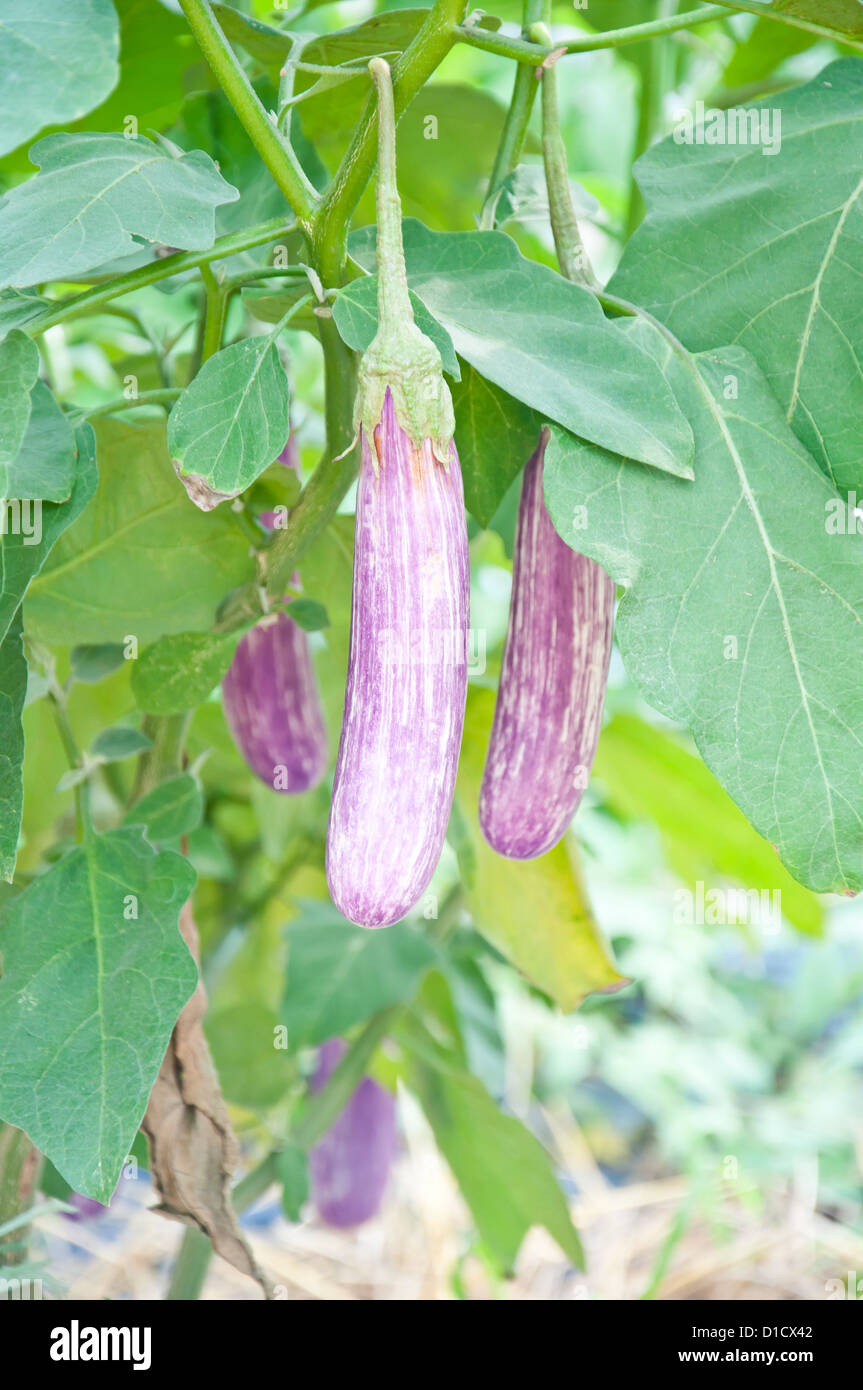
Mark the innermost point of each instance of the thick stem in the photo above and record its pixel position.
(410, 73)
(214, 319)
(89, 301)
(534, 53)
(515, 125)
(168, 733)
(394, 305)
(19, 1170)
(275, 152)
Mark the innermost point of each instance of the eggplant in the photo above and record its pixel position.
(273, 707)
(407, 667)
(350, 1166)
(552, 683)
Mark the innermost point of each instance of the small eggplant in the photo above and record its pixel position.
(552, 684)
(351, 1164)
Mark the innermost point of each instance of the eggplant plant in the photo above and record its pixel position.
(568, 385)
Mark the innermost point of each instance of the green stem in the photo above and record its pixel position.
(394, 304)
(168, 733)
(167, 396)
(515, 125)
(410, 73)
(190, 1267)
(533, 53)
(823, 31)
(275, 152)
(76, 305)
(81, 790)
(214, 319)
(571, 255)
(19, 1170)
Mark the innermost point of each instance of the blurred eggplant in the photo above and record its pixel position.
(350, 1166)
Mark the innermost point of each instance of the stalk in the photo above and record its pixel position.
(525, 51)
(515, 125)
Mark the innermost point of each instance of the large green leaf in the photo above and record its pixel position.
(23, 552)
(503, 1171)
(19, 368)
(767, 251)
(536, 912)
(140, 561)
(95, 973)
(743, 617)
(339, 974)
(178, 672)
(95, 195)
(56, 63)
(13, 689)
(538, 337)
(232, 420)
(648, 774)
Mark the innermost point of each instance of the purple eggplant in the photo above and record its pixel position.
(273, 708)
(351, 1164)
(552, 684)
(407, 668)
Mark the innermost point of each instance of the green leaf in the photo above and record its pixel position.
(95, 195)
(535, 912)
(503, 1171)
(23, 552)
(19, 369)
(13, 689)
(649, 775)
(339, 974)
(91, 664)
(173, 808)
(495, 436)
(156, 49)
(845, 16)
(292, 1169)
(261, 41)
(743, 617)
(18, 308)
(56, 63)
(762, 251)
(113, 745)
(308, 614)
(140, 561)
(95, 975)
(44, 466)
(541, 339)
(358, 323)
(179, 672)
(233, 419)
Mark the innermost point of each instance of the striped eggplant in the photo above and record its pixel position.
(350, 1166)
(271, 701)
(407, 671)
(552, 683)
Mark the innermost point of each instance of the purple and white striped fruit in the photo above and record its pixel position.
(273, 708)
(407, 671)
(552, 683)
(351, 1164)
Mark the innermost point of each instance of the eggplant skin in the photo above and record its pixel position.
(350, 1166)
(552, 684)
(273, 708)
(407, 678)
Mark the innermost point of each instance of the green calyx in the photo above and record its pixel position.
(400, 357)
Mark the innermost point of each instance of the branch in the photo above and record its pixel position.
(534, 54)
(275, 152)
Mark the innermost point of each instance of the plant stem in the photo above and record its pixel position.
(275, 152)
(526, 52)
(190, 1267)
(823, 31)
(81, 790)
(214, 319)
(410, 73)
(168, 733)
(515, 125)
(77, 305)
(571, 255)
(20, 1162)
(394, 302)
(167, 396)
